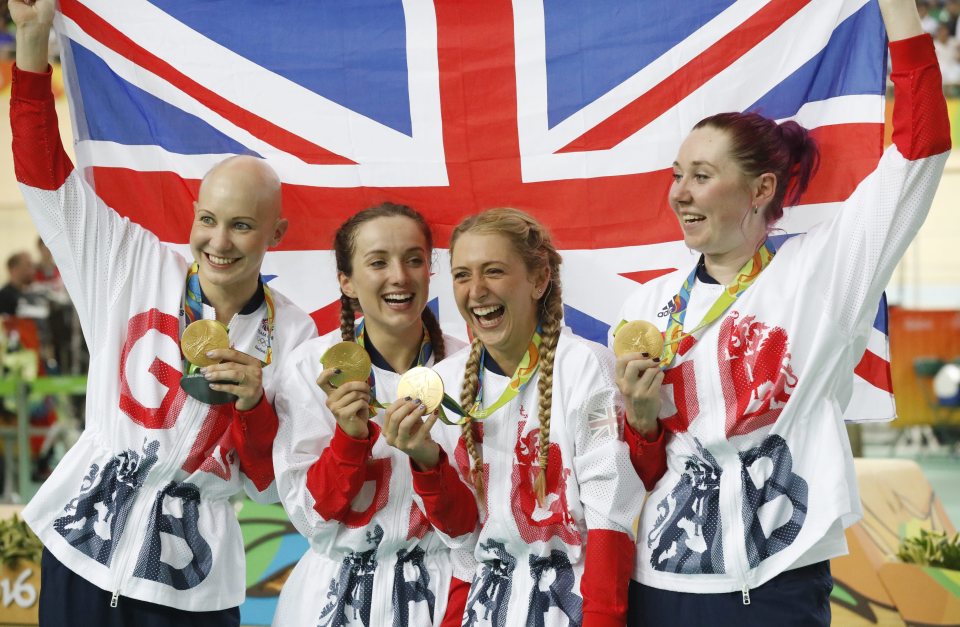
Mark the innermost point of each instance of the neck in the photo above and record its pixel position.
(725, 267)
(509, 358)
(228, 302)
(398, 347)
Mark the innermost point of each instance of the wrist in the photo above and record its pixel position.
(427, 459)
(355, 429)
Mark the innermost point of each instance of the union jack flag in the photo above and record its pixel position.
(572, 110)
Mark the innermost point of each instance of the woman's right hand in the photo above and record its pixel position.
(349, 403)
(639, 378)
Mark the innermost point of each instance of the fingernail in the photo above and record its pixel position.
(656, 359)
(203, 370)
(645, 355)
(209, 353)
(417, 401)
(337, 371)
(407, 398)
(207, 375)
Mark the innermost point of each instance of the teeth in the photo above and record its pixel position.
(220, 261)
(398, 298)
(691, 219)
(483, 311)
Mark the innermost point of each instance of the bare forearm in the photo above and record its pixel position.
(901, 19)
(33, 47)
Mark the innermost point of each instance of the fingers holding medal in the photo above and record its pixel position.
(344, 380)
(638, 346)
(198, 339)
(419, 392)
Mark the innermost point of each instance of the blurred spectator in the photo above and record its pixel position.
(928, 20)
(13, 295)
(950, 15)
(948, 55)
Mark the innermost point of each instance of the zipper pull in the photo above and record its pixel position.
(115, 598)
(746, 595)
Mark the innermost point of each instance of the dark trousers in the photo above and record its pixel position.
(795, 598)
(69, 600)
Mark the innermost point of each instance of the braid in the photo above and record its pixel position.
(550, 326)
(347, 319)
(435, 334)
(534, 245)
(468, 394)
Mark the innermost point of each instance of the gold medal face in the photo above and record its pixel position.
(638, 336)
(201, 336)
(422, 383)
(351, 359)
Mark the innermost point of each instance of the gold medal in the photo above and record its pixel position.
(638, 336)
(422, 383)
(200, 337)
(351, 359)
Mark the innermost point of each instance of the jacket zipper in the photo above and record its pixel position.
(167, 469)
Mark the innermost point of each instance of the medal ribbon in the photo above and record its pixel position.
(193, 308)
(426, 351)
(744, 279)
(521, 377)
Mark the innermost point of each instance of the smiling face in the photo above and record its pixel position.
(496, 293)
(712, 198)
(236, 219)
(390, 273)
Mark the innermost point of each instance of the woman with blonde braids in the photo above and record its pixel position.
(374, 560)
(543, 450)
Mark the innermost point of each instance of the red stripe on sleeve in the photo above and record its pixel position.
(253, 435)
(921, 126)
(336, 478)
(606, 577)
(456, 603)
(38, 156)
(450, 504)
(649, 459)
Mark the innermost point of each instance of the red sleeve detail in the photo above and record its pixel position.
(450, 504)
(649, 458)
(921, 126)
(606, 576)
(456, 603)
(253, 434)
(335, 479)
(38, 156)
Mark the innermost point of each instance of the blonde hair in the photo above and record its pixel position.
(533, 243)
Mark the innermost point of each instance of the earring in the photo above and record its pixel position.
(755, 209)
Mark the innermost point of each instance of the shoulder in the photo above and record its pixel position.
(293, 323)
(451, 367)
(310, 351)
(653, 298)
(582, 356)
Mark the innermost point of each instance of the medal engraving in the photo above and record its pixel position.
(422, 383)
(638, 336)
(352, 360)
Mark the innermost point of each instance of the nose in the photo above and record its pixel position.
(679, 193)
(477, 288)
(220, 239)
(398, 272)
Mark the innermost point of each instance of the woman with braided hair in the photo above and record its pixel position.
(540, 442)
(374, 559)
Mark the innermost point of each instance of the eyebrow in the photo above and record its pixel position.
(696, 163)
(384, 252)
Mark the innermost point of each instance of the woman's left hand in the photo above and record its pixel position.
(405, 429)
(237, 373)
